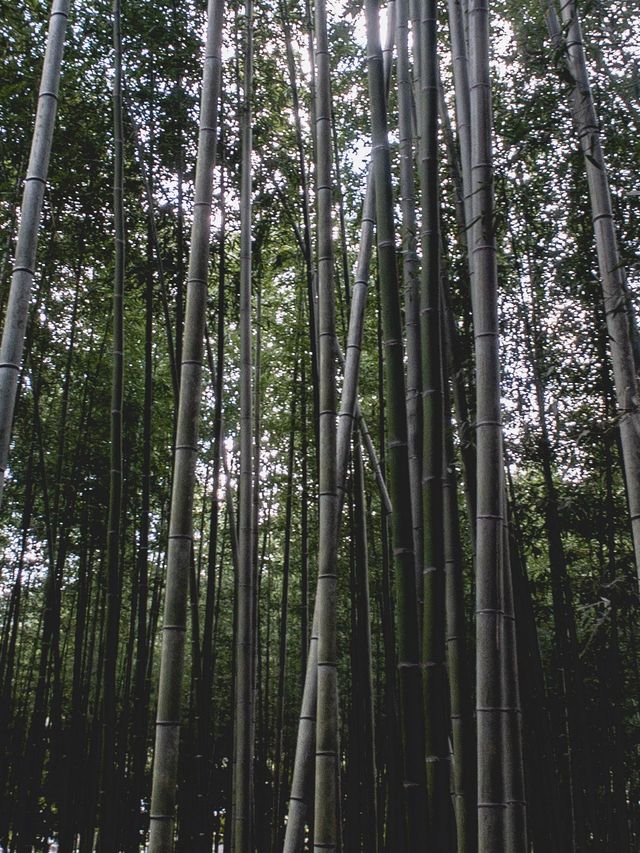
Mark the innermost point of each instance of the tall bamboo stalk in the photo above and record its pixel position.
(433, 579)
(15, 324)
(165, 768)
(109, 786)
(489, 545)
(612, 273)
(462, 722)
(411, 280)
(412, 719)
(326, 804)
(243, 721)
(462, 103)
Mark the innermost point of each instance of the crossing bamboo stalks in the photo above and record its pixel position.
(165, 767)
(299, 800)
(349, 405)
(15, 324)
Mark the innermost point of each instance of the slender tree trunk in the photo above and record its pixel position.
(617, 308)
(108, 826)
(326, 804)
(433, 581)
(180, 534)
(411, 708)
(284, 608)
(411, 281)
(462, 722)
(366, 762)
(242, 808)
(15, 324)
(489, 556)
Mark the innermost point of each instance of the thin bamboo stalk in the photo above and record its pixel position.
(108, 828)
(242, 809)
(326, 802)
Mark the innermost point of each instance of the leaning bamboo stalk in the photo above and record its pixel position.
(15, 324)
(462, 100)
(612, 273)
(349, 404)
(302, 782)
(165, 768)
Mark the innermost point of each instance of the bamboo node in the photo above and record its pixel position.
(501, 709)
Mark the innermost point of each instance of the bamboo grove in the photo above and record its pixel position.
(320, 426)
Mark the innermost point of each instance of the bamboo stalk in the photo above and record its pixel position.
(15, 324)
(165, 768)
(242, 807)
(326, 802)
(411, 708)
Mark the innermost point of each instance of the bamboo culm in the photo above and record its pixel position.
(242, 811)
(326, 804)
(165, 767)
(108, 837)
(433, 568)
(489, 541)
(411, 708)
(15, 324)
(617, 307)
